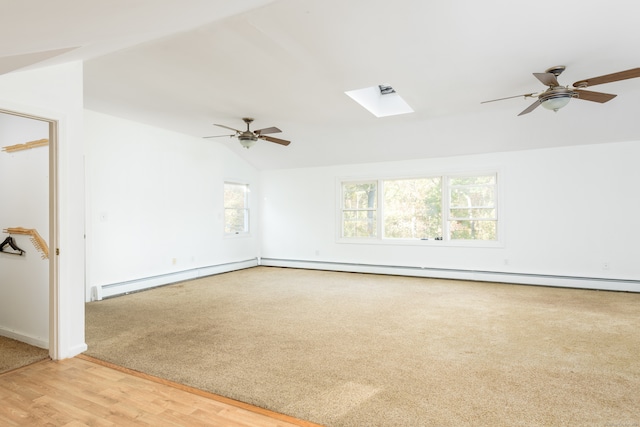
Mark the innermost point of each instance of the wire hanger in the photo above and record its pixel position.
(12, 244)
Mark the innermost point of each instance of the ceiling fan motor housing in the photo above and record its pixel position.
(556, 71)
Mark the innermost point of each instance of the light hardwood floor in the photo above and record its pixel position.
(87, 392)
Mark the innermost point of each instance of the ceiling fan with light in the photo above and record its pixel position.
(557, 96)
(248, 137)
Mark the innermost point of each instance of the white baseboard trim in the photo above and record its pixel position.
(74, 351)
(483, 276)
(99, 292)
(31, 340)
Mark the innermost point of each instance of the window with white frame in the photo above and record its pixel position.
(359, 209)
(449, 208)
(236, 208)
(472, 214)
(412, 208)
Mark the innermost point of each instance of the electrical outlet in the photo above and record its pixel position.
(174, 261)
(605, 265)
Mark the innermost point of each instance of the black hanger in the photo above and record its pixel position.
(10, 242)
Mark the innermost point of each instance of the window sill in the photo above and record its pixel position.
(236, 235)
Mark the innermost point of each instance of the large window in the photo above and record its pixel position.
(412, 208)
(236, 208)
(442, 208)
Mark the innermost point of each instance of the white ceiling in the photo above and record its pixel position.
(186, 64)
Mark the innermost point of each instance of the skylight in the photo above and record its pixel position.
(381, 100)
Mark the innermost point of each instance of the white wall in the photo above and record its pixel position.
(56, 93)
(565, 212)
(24, 192)
(154, 196)
(154, 203)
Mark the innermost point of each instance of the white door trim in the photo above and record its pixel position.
(54, 310)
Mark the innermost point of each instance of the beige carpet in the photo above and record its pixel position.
(15, 354)
(345, 349)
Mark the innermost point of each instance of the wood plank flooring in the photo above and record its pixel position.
(87, 392)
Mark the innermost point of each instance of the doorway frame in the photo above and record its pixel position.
(54, 283)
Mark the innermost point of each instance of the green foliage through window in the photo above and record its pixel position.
(425, 208)
(413, 208)
(359, 205)
(472, 208)
(236, 208)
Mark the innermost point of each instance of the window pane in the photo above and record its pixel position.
(234, 195)
(413, 208)
(236, 208)
(472, 208)
(359, 195)
(472, 180)
(462, 213)
(359, 223)
(481, 196)
(359, 209)
(235, 221)
(472, 230)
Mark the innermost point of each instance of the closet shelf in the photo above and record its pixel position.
(26, 145)
(36, 239)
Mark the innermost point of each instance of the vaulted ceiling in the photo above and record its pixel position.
(186, 64)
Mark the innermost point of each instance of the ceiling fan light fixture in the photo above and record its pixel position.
(556, 101)
(247, 141)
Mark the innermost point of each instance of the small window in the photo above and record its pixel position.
(236, 208)
(359, 209)
(472, 208)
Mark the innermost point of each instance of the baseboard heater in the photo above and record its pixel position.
(475, 275)
(99, 292)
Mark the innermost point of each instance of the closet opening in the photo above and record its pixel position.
(29, 288)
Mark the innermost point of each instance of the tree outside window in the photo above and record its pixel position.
(236, 208)
(472, 208)
(456, 207)
(359, 209)
(413, 208)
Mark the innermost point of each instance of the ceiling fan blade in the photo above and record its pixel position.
(272, 129)
(547, 79)
(276, 140)
(608, 78)
(526, 95)
(588, 95)
(218, 136)
(530, 108)
(227, 127)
